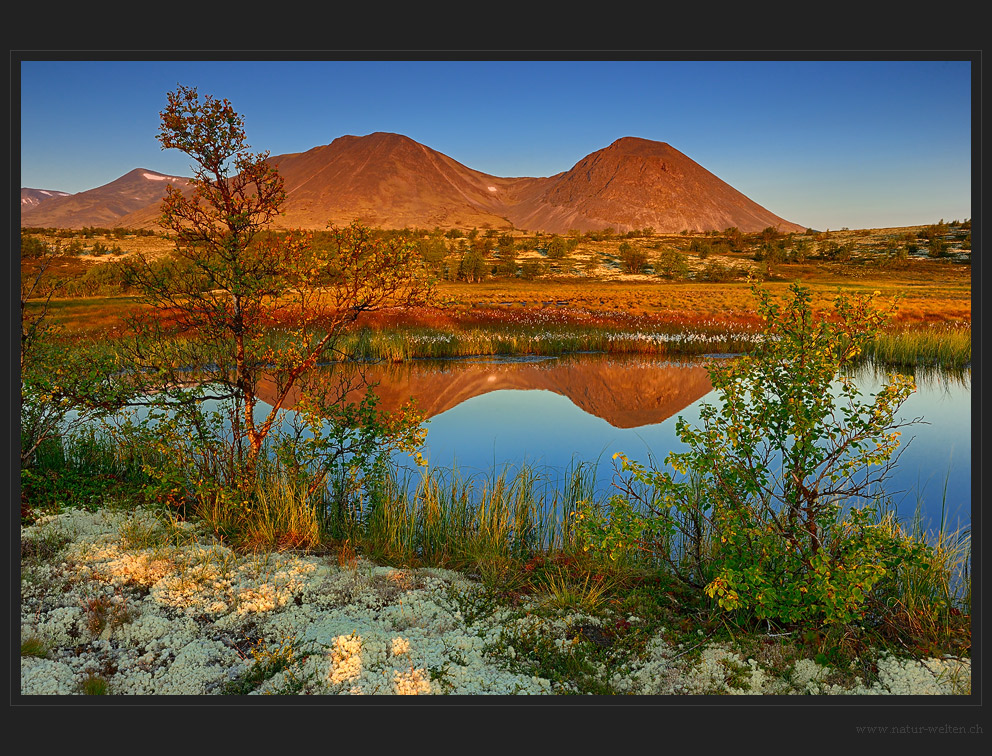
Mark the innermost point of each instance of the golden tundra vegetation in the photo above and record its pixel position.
(489, 276)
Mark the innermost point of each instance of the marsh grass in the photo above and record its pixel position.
(929, 603)
(85, 470)
(550, 339)
(946, 346)
(448, 519)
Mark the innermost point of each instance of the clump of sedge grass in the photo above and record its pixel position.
(266, 664)
(34, 646)
(929, 603)
(94, 685)
(568, 592)
(274, 513)
(447, 519)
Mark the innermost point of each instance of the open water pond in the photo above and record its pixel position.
(487, 414)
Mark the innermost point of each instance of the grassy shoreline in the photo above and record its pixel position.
(550, 610)
(947, 346)
(127, 602)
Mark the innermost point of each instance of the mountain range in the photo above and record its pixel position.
(391, 181)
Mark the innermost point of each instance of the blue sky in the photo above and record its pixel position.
(827, 144)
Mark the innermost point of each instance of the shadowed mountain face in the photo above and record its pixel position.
(391, 181)
(104, 206)
(626, 394)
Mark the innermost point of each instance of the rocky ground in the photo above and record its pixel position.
(129, 604)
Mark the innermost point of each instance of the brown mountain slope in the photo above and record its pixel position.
(104, 206)
(638, 183)
(386, 180)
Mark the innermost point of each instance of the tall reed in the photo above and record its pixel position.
(934, 598)
(447, 519)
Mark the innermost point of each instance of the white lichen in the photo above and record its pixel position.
(188, 616)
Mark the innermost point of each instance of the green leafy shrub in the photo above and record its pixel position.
(671, 264)
(771, 512)
(632, 259)
(32, 246)
(716, 272)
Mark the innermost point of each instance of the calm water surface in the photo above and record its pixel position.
(552, 414)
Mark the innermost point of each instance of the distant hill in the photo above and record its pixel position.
(31, 198)
(103, 206)
(391, 181)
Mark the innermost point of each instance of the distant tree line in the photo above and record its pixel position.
(88, 232)
(474, 255)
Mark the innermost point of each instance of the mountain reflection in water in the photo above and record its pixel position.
(626, 393)
(490, 414)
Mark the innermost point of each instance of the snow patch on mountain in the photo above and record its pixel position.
(37, 195)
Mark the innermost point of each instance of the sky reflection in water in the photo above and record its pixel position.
(505, 428)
